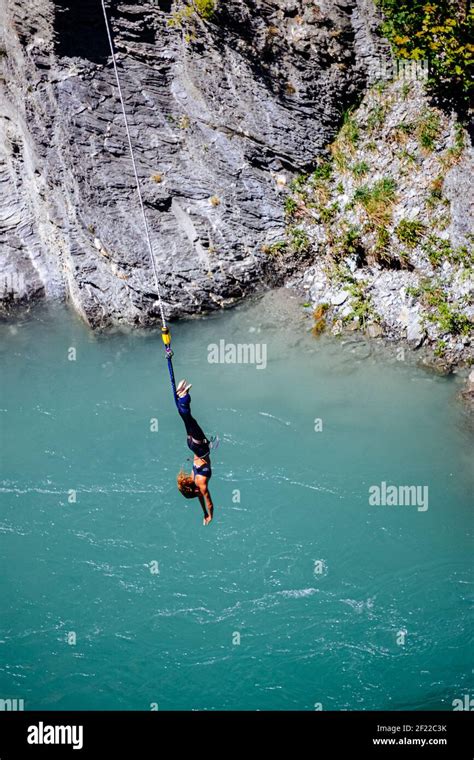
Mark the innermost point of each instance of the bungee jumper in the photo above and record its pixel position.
(195, 484)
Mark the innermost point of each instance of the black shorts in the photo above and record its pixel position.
(200, 448)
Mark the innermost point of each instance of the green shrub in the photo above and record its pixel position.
(454, 153)
(377, 199)
(407, 156)
(298, 239)
(187, 9)
(350, 130)
(403, 130)
(273, 249)
(446, 316)
(376, 117)
(360, 169)
(435, 195)
(349, 242)
(181, 15)
(346, 141)
(428, 128)
(409, 232)
(451, 320)
(327, 213)
(440, 32)
(291, 205)
(438, 250)
(322, 171)
(361, 305)
(382, 242)
(463, 255)
(205, 8)
(298, 183)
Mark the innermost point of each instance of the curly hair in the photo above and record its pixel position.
(186, 485)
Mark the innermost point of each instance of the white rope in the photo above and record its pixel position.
(145, 222)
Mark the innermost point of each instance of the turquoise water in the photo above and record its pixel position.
(319, 585)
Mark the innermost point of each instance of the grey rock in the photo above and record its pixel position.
(339, 298)
(254, 95)
(415, 331)
(459, 190)
(374, 330)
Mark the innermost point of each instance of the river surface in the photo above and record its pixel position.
(302, 594)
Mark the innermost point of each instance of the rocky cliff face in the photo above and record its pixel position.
(386, 220)
(223, 112)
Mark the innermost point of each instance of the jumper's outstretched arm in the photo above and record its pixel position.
(203, 504)
(205, 501)
(205, 496)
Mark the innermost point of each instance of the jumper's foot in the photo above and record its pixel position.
(183, 388)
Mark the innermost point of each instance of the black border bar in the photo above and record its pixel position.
(324, 734)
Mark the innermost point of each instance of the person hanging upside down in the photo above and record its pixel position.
(195, 484)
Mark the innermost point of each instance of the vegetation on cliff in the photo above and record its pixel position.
(381, 218)
(440, 32)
